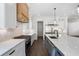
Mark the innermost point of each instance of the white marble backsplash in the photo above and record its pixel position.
(6, 34)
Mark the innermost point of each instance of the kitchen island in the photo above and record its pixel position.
(68, 45)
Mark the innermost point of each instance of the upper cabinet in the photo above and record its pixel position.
(7, 15)
(10, 15)
(2, 15)
(22, 12)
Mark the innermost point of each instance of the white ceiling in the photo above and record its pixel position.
(46, 9)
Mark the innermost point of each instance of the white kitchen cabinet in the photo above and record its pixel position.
(10, 15)
(52, 49)
(2, 15)
(18, 50)
(49, 46)
(12, 52)
(7, 15)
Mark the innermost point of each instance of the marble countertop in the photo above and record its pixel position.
(9, 44)
(68, 45)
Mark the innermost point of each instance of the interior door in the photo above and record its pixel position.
(40, 28)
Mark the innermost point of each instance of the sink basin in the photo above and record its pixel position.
(53, 37)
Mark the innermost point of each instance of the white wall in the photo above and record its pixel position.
(73, 25)
(44, 12)
(46, 9)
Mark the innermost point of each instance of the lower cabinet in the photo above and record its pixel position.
(18, 50)
(58, 52)
(27, 42)
(52, 49)
(49, 46)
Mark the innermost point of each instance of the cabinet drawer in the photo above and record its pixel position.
(11, 52)
(18, 50)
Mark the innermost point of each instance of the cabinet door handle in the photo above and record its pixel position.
(12, 52)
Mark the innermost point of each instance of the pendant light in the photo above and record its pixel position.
(55, 16)
(55, 21)
(78, 9)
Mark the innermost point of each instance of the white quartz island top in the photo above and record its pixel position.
(68, 45)
(5, 46)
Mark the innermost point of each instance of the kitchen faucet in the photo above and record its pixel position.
(56, 32)
(52, 30)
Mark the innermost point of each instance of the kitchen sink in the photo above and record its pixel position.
(53, 37)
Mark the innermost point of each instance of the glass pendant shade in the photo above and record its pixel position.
(78, 9)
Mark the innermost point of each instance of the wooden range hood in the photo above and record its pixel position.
(22, 12)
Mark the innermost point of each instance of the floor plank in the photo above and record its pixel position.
(38, 48)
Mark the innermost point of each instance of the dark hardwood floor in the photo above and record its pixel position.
(38, 48)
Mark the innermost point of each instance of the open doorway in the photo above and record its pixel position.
(40, 29)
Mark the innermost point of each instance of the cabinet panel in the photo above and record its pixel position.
(49, 46)
(12, 52)
(2, 15)
(10, 15)
(18, 50)
(53, 50)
